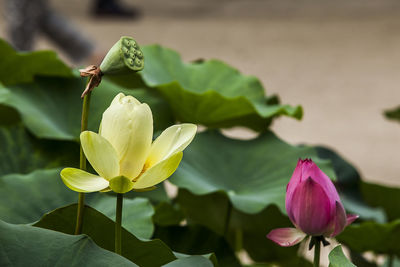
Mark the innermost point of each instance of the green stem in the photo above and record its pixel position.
(227, 219)
(391, 261)
(82, 164)
(317, 251)
(118, 221)
(79, 213)
(238, 239)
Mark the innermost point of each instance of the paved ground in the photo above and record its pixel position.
(340, 60)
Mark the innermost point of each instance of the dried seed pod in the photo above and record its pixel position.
(124, 56)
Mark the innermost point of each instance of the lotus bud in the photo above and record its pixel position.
(313, 206)
(124, 56)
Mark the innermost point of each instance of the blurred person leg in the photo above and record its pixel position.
(27, 18)
(22, 17)
(60, 31)
(114, 8)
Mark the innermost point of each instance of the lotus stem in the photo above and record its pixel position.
(227, 219)
(238, 239)
(79, 213)
(391, 261)
(118, 221)
(82, 164)
(317, 251)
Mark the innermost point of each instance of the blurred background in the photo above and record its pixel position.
(339, 59)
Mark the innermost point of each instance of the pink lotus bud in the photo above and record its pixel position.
(313, 205)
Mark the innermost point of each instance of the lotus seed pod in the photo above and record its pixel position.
(125, 50)
(139, 54)
(130, 62)
(124, 56)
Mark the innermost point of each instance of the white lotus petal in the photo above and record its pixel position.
(174, 139)
(128, 126)
(81, 181)
(158, 172)
(100, 153)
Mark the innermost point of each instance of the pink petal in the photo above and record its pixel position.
(286, 237)
(311, 209)
(340, 220)
(297, 173)
(351, 218)
(294, 181)
(313, 171)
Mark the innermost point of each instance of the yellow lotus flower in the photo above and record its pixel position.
(123, 153)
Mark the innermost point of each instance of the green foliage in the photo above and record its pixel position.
(338, 259)
(46, 192)
(251, 173)
(230, 192)
(22, 67)
(242, 230)
(298, 262)
(209, 93)
(140, 252)
(24, 245)
(137, 213)
(383, 196)
(197, 240)
(393, 114)
(192, 261)
(372, 236)
(23, 153)
(167, 214)
(51, 107)
(395, 262)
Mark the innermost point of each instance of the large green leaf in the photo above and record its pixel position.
(101, 229)
(209, 92)
(349, 185)
(372, 236)
(19, 67)
(22, 245)
(253, 173)
(23, 153)
(393, 114)
(24, 198)
(51, 107)
(384, 197)
(338, 259)
(46, 192)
